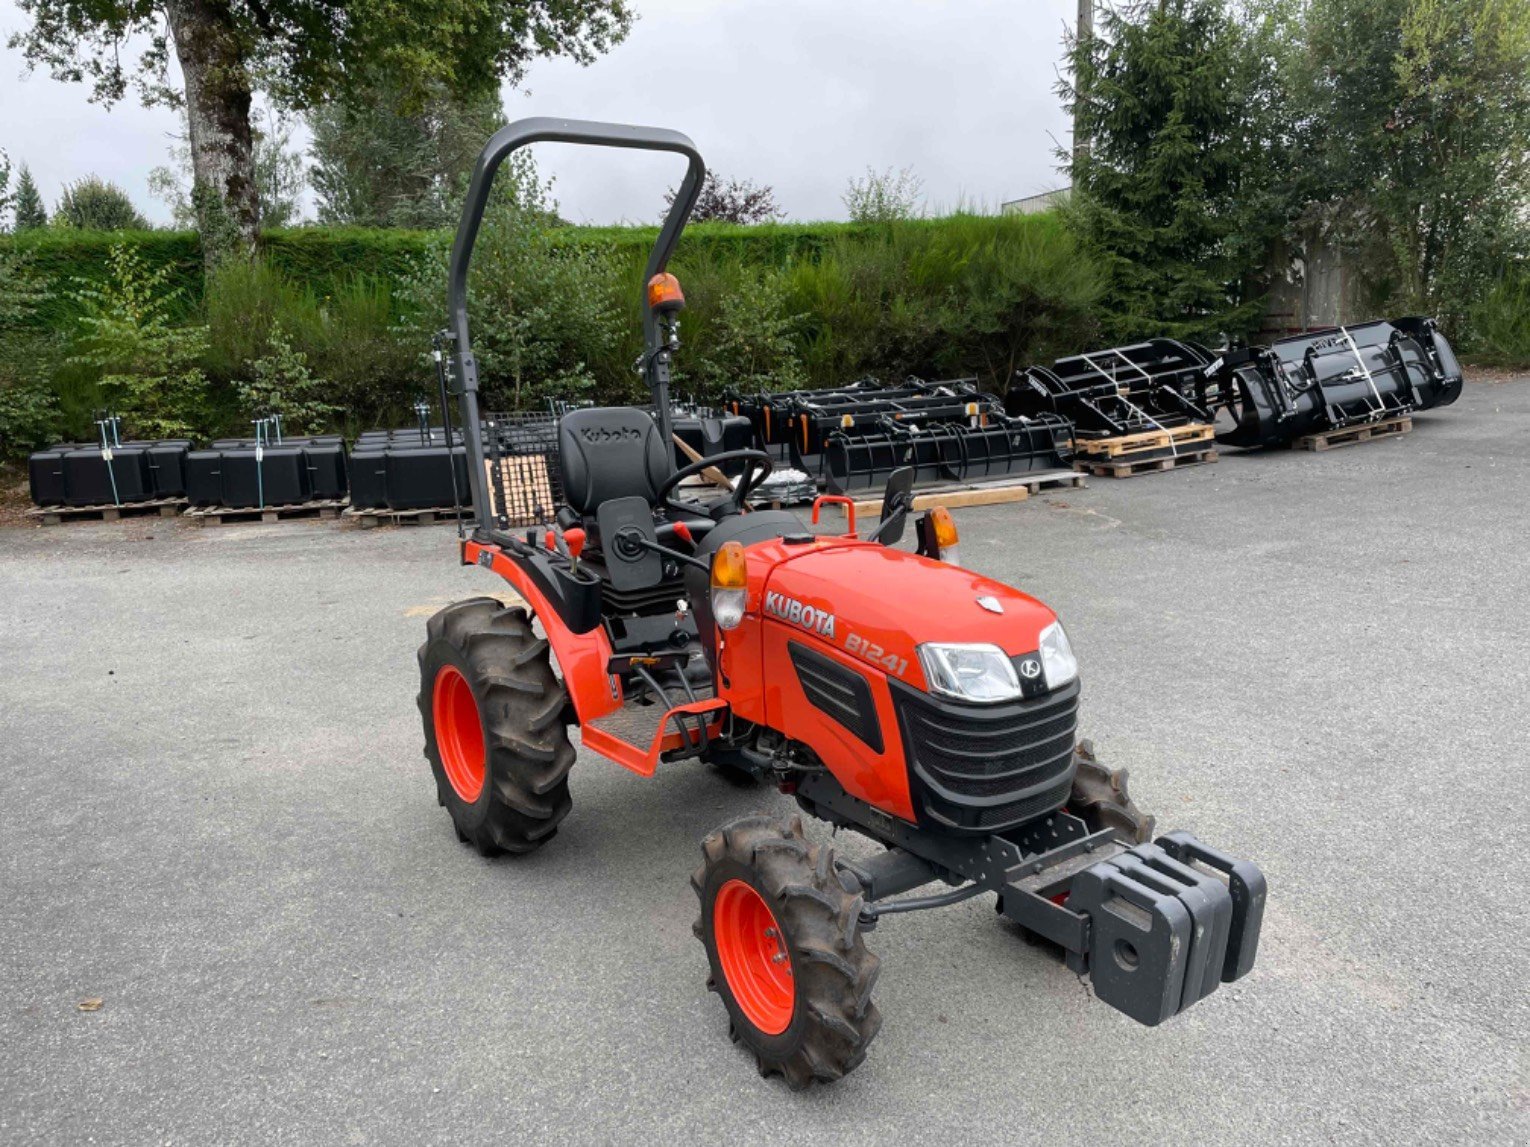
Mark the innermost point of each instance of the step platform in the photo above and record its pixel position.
(638, 736)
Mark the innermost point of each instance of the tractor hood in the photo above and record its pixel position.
(877, 603)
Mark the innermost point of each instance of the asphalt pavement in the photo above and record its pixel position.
(216, 820)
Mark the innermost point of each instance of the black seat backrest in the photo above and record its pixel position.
(611, 452)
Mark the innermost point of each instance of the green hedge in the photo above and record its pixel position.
(320, 259)
(60, 257)
(556, 313)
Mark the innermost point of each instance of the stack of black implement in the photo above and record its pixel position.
(1326, 387)
(851, 438)
(267, 472)
(418, 473)
(108, 477)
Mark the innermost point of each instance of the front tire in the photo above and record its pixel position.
(495, 736)
(1101, 800)
(783, 941)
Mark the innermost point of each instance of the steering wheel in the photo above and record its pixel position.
(757, 467)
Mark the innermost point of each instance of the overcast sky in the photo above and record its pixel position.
(800, 94)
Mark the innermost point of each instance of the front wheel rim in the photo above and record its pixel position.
(754, 956)
(459, 732)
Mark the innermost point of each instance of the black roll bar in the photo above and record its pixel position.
(507, 139)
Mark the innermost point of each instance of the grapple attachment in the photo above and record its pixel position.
(970, 448)
(852, 438)
(772, 414)
(1120, 390)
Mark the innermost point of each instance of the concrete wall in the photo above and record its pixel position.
(1312, 284)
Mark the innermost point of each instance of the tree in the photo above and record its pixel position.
(303, 53)
(1412, 117)
(739, 201)
(149, 365)
(283, 384)
(1162, 192)
(30, 212)
(550, 317)
(884, 196)
(279, 177)
(6, 196)
(379, 161)
(93, 204)
(751, 341)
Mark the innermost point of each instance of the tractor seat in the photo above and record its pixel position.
(611, 452)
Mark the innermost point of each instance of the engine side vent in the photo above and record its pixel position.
(840, 693)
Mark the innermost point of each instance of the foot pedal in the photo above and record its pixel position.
(1165, 932)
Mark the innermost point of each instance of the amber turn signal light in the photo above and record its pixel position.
(728, 569)
(730, 579)
(943, 526)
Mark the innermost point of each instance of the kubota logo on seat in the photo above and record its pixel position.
(809, 617)
(598, 434)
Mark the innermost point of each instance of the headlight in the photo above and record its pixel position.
(970, 672)
(1057, 660)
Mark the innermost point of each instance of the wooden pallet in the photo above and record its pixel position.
(1173, 439)
(999, 491)
(1350, 435)
(368, 519)
(56, 515)
(227, 516)
(1131, 468)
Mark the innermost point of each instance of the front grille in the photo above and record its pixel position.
(1018, 812)
(984, 767)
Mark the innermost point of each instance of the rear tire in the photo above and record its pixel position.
(495, 736)
(783, 941)
(1100, 799)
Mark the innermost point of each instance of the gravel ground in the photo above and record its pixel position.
(217, 821)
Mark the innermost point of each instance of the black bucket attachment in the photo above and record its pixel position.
(1116, 391)
(1437, 381)
(708, 434)
(1327, 380)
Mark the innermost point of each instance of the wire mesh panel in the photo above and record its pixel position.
(521, 464)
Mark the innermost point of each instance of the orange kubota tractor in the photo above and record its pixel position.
(891, 692)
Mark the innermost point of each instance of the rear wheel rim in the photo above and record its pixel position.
(754, 957)
(459, 732)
